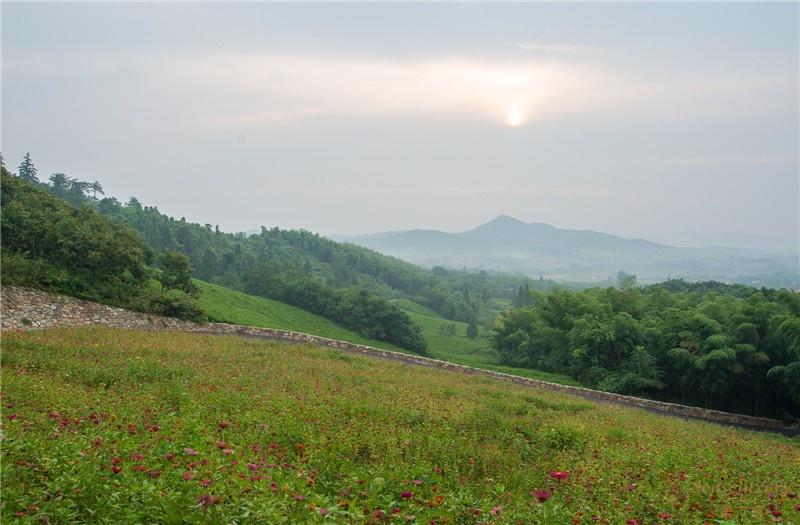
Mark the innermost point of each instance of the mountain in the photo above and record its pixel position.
(508, 244)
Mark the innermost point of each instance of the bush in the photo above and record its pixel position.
(174, 303)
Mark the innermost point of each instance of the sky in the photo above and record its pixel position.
(672, 122)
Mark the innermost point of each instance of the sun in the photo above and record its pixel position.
(515, 117)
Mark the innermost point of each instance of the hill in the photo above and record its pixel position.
(507, 244)
(120, 426)
(230, 306)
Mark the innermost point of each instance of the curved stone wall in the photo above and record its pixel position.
(26, 309)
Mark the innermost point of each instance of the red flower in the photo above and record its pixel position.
(223, 424)
(137, 457)
(205, 500)
(154, 428)
(559, 474)
(131, 428)
(12, 417)
(54, 415)
(406, 494)
(542, 495)
(187, 475)
(205, 483)
(116, 469)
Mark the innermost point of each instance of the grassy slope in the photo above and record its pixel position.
(229, 306)
(461, 349)
(235, 307)
(117, 426)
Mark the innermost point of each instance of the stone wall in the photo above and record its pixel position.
(25, 309)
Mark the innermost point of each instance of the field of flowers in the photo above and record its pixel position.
(114, 426)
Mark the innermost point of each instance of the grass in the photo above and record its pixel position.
(116, 426)
(230, 306)
(460, 349)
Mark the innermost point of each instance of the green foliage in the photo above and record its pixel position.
(176, 273)
(120, 426)
(27, 171)
(49, 244)
(371, 316)
(173, 303)
(472, 329)
(704, 344)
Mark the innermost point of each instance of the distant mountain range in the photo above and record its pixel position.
(508, 244)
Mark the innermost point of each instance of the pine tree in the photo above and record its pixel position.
(27, 171)
(472, 329)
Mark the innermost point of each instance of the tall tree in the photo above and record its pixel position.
(472, 329)
(27, 171)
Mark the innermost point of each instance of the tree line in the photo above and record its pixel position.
(724, 347)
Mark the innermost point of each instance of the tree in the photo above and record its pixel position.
(176, 274)
(27, 171)
(472, 329)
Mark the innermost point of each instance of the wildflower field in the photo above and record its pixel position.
(116, 426)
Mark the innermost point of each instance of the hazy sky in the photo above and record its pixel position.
(676, 123)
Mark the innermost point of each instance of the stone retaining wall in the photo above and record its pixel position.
(26, 309)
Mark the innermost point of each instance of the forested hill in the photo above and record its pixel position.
(252, 263)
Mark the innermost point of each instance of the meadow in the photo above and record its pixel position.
(116, 426)
(231, 306)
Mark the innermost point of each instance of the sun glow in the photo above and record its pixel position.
(515, 117)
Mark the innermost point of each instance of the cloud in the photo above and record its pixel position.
(565, 49)
(249, 89)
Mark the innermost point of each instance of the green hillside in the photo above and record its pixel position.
(229, 306)
(124, 426)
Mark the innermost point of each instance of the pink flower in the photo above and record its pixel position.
(252, 466)
(227, 451)
(437, 469)
(541, 495)
(418, 482)
(137, 457)
(497, 510)
(299, 497)
(323, 511)
(187, 475)
(205, 483)
(559, 474)
(206, 500)
(406, 494)
(190, 451)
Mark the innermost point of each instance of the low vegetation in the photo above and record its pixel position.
(113, 426)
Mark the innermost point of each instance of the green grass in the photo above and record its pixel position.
(229, 306)
(121, 426)
(459, 348)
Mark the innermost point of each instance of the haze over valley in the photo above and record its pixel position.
(538, 249)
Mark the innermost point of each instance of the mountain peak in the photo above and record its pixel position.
(505, 219)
